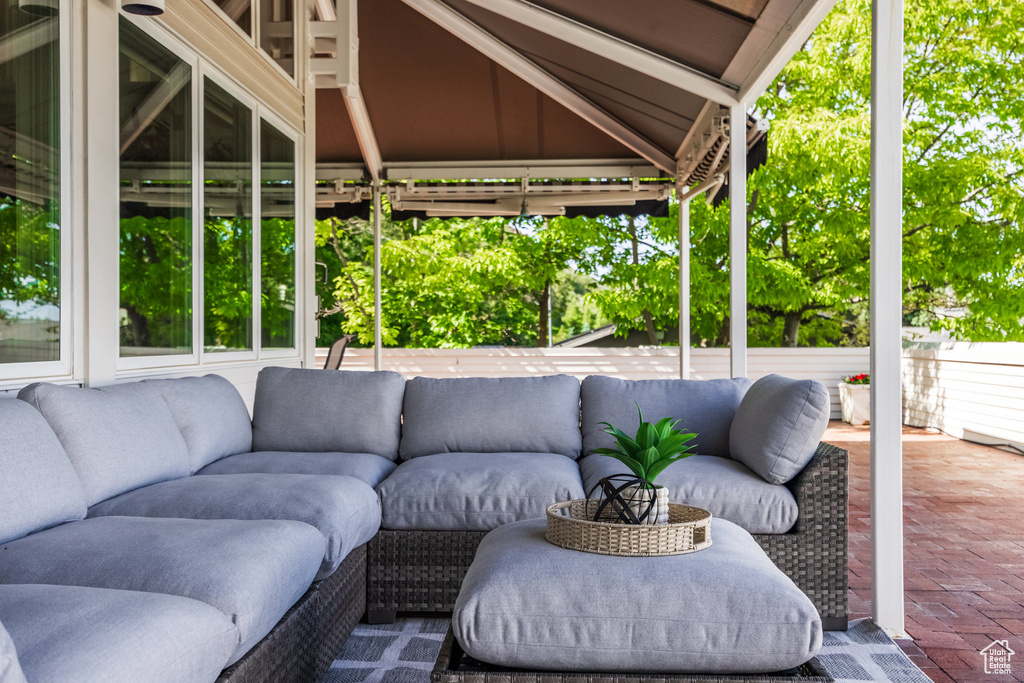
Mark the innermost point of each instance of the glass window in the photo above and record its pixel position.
(227, 230)
(239, 11)
(156, 197)
(277, 32)
(277, 238)
(30, 306)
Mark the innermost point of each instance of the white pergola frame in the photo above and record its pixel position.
(780, 31)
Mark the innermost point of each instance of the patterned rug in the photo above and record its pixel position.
(405, 652)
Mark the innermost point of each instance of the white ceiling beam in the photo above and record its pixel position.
(613, 48)
(27, 38)
(779, 33)
(541, 79)
(324, 10)
(364, 132)
(235, 8)
(568, 168)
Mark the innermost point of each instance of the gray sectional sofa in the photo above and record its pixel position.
(153, 531)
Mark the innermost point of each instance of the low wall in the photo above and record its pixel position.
(827, 365)
(970, 391)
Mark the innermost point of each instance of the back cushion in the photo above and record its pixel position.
(118, 438)
(778, 426)
(38, 486)
(321, 411)
(210, 414)
(484, 415)
(705, 407)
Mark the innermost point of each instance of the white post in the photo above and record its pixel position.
(684, 285)
(738, 241)
(886, 313)
(377, 335)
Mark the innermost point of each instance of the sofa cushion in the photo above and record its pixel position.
(366, 467)
(723, 487)
(38, 485)
(726, 609)
(778, 426)
(10, 667)
(115, 636)
(475, 491)
(118, 438)
(706, 407)
(210, 414)
(345, 510)
(251, 571)
(488, 415)
(328, 411)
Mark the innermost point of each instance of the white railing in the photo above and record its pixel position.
(826, 365)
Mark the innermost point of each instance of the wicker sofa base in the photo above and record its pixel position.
(453, 666)
(422, 571)
(301, 647)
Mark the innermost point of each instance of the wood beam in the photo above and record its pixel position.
(541, 79)
(27, 38)
(613, 48)
(155, 102)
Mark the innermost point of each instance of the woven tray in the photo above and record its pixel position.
(570, 526)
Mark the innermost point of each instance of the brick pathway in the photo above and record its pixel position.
(964, 552)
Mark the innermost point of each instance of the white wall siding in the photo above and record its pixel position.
(823, 364)
(971, 391)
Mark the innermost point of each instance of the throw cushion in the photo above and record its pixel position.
(211, 416)
(706, 407)
(38, 486)
(778, 426)
(328, 411)
(118, 437)
(492, 415)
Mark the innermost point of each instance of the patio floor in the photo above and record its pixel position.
(964, 552)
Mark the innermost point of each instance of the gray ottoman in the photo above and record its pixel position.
(526, 603)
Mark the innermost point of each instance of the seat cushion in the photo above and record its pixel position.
(723, 487)
(363, 466)
(210, 415)
(727, 609)
(38, 485)
(778, 426)
(115, 636)
(475, 491)
(252, 571)
(118, 438)
(10, 667)
(328, 411)
(489, 415)
(706, 407)
(345, 510)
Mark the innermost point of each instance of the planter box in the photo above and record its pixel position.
(855, 400)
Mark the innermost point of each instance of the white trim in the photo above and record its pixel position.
(684, 288)
(614, 49)
(541, 79)
(738, 241)
(378, 337)
(363, 128)
(785, 36)
(886, 314)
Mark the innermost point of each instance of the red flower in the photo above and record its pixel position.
(862, 378)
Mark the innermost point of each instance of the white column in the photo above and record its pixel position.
(738, 241)
(886, 313)
(684, 285)
(102, 211)
(377, 335)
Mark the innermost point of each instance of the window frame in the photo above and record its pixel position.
(202, 69)
(254, 40)
(288, 131)
(70, 230)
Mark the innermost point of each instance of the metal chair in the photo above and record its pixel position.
(337, 352)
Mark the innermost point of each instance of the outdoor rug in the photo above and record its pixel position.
(405, 652)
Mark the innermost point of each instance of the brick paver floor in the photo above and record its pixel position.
(964, 551)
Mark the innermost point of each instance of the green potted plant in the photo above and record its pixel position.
(655, 447)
